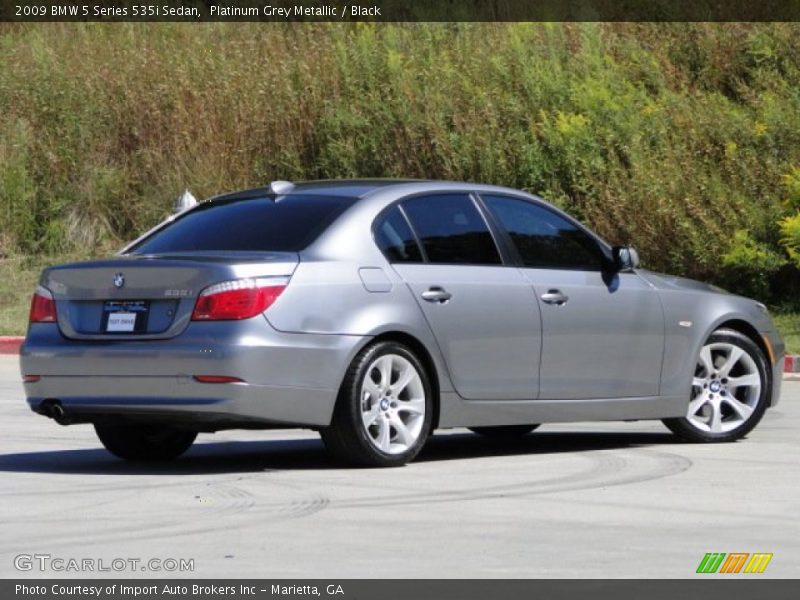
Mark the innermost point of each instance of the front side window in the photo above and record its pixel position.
(451, 230)
(543, 238)
(247, 225)
(395, 239)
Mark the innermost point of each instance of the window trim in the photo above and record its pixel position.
(602, 246)
(422, 252)
(380, 218)
(505, 258)
(508, 251)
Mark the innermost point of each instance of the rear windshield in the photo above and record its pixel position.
(250, 225)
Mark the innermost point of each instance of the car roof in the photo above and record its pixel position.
(346, 188)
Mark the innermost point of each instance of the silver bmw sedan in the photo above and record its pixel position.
(376, 311)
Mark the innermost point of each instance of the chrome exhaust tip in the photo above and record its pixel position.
(54, 410)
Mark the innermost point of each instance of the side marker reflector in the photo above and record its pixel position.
(217, 379)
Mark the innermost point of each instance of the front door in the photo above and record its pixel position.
(602, 333)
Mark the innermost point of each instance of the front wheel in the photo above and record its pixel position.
(730, 390)
(383, 414)
(144, 442)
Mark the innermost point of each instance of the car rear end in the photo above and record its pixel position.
(176, 330)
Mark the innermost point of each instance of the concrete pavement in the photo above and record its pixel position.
(578, 500)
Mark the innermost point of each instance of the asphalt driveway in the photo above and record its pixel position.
(582, 500)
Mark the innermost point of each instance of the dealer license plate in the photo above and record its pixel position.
(129, 316)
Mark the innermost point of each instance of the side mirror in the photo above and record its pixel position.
(626, 258)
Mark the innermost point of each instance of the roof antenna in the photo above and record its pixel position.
(184, 202)
(281, 188)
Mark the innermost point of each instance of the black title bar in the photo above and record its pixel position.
(399, 10)
(703, 588)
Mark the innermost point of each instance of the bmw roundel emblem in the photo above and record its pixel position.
(119, 280)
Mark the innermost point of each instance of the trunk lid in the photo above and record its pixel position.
(157, 293)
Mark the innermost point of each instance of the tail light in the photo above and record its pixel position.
(43, 307)
(238, 299)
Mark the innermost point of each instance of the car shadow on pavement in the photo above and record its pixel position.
(309, 454)
(468, 445)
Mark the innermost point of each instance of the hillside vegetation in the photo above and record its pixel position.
(682, 139)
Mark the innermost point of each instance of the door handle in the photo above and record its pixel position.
(436, 294)
(554, 297)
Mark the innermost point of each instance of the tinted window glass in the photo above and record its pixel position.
(396, 240)
(543, 238)
(258, 224)
(452, 230)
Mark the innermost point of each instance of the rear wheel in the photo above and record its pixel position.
(730, 390)
(384, 411)
(504, 431)
(144, 442)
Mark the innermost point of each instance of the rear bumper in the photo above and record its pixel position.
(290, 379)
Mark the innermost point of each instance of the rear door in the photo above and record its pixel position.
(483, 313)
(602, 333)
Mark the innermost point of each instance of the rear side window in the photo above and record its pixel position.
(395, 239)
(251, 225)
(543, 238)
(451, 230)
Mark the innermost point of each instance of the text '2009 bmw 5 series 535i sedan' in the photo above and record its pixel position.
(377, 311)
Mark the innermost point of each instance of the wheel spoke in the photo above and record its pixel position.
(730, 362)
(372, 389)
(404, 436)
(705, 359)
(384, 435)
(415, 406)
(715, 424)
(741, 408)
(749, 380)
(698, 382)
(407, 375)
(697, 404)
(369, 417)
(385, 369)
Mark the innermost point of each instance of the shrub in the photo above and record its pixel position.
(672, 137)
(750, 264)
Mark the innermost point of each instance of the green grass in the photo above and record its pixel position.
(680, 138)
(673, 137)
(788, 323)
(18, 279)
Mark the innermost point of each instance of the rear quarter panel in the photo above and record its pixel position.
(330, 293)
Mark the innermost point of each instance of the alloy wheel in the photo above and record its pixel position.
(392, 404)
(725, 389)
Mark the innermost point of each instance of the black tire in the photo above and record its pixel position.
(682, 426)
(347, 437)
(144, 442)
(504, 432)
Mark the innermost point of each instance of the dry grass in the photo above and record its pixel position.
(18, 279)
(669, 136)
